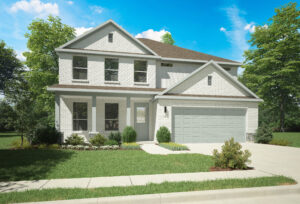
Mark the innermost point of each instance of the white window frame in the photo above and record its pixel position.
(106, 119)
(112, 37)
(84, 68)
(140, 72)
(115, 70)
(80, 119)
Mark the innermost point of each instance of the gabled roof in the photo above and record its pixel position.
(172, 51)
(211, 62)
(101, 26)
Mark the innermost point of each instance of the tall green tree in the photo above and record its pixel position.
(8, 64)
(7, 116)
(168, 39)
(272, 67)
(41, 59)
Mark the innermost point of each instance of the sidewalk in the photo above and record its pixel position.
(136, 180)
(156, 149)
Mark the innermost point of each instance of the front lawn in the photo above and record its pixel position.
(34, 164)
(7, 138)
(167, 187)
(292, 137)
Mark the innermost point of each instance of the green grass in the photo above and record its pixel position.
(173, 146)
(31, 164)
(166, 187)
(7, 138)
(292, 137)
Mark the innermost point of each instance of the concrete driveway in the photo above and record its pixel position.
(273, 159)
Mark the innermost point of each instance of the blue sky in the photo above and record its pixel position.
(219, 27)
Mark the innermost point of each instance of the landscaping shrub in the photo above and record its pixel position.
(263, 135)
(231, 156)
(115, 136)
(98, 140)
(281, 142)
(75, 139)
(46, 135)
(173, 146)
(17, 143)
(111, 142)
(131, 145)
(129, 134)
(163, 134)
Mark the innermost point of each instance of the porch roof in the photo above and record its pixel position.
(103, 89)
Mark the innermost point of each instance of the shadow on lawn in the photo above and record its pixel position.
(33, 164)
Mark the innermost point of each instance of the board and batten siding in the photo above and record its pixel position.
(96, 71)
(165, 119)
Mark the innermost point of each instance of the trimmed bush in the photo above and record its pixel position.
(163, 134)
(263, 135)
(281, 142)
(46, 135)
(129, 134)
(98, 140)
(111, 142)
(132, 145)
(173, 146)
(115, 136)
(231, 156)
(75, 139)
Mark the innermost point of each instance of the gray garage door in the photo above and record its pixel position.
(207, 124)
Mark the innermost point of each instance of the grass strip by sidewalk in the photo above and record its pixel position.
(166, 187)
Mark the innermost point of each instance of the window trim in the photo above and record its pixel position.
(105, 119)
(134, 71)
(116, 70)
(87, 117)
(209, 80)
(84, 68)
(110, 39)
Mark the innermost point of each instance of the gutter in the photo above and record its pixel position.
(206, 98)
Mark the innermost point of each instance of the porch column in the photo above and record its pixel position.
(57, 112)
(94, 118)
(128, 111)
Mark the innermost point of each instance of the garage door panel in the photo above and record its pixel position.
(208, 124)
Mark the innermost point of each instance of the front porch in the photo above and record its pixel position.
(89, 114)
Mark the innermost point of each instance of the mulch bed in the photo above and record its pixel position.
(213, 168)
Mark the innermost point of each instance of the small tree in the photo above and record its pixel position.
(231, 156)
(263, 134)
(163, 134)
(167, 38)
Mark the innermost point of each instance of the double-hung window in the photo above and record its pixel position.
(80, 116)
(140, 71)
(111, 116)
(79, 67)
(111, 69)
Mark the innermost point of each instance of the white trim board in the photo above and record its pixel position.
(220, 69)
(103, 25)
(206, 98)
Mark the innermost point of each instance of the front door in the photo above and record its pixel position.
(141, 121)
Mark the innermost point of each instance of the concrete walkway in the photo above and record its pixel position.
(97, 182)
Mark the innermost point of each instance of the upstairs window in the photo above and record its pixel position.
(80, 117)
(110, 37)
(111, 116)
(166, 64)
(209, 80)
(111, 69)
(79, 67)
(140, 71)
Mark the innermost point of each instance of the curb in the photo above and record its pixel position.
(182, 197)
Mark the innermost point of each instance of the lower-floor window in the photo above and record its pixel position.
(80, 117)
(111, 116)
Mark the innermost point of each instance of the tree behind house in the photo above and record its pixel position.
(272, 67)
(167, 38)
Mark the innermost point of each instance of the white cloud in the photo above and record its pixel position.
(20, 55)
(222, 29)
(81, 30)
(35, 7)
(250, 27)
(238, 33)
(152, 34)
(97, 9)
(70, 2)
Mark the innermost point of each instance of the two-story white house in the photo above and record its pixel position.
(108, 80)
